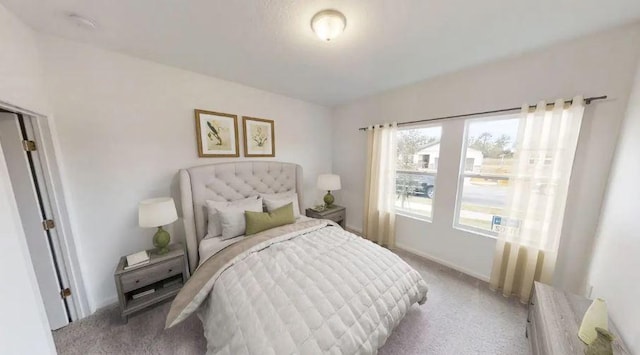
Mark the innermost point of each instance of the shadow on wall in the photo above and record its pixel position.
(177, 228)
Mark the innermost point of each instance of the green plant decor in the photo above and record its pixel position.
(161, 240)
(602, 344)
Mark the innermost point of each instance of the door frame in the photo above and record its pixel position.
(48, 146)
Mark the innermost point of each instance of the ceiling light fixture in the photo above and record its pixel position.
(328, 24)
(81, 21)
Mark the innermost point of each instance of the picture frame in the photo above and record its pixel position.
(217, 134)
(259, 137)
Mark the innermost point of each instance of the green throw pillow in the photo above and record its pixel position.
(261, 221)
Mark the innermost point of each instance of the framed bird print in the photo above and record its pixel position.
(217, 134)
(259, 137)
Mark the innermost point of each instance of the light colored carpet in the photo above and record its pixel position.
(461, 316)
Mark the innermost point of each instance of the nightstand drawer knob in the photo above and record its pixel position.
(137, 281)
(170, 270)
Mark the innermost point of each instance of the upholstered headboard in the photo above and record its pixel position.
(229, 182)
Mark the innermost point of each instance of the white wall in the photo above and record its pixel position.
(596, 65)
(20, 69)
(23, 324)
(615, 271)
(126, 126)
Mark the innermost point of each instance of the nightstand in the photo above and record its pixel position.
(336, 213)
(164, 274)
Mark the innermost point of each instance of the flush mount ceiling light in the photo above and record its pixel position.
(328, 24)
(81, 21)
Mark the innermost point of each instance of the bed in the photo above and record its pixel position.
(309, 287)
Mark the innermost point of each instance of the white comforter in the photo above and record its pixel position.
(321, 290)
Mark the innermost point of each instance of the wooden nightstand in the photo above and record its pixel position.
(336, 213)
(165, 274)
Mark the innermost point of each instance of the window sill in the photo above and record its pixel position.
(415, 216)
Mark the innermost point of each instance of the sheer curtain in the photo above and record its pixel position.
(380, 185)
(527, 246)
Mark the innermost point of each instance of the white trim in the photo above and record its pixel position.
(442, 262)
(462, 174)
(15, 109)
(79, 307)
(406, 213)
(54, 183)
(354, 230)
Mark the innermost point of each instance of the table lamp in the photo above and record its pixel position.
(158, 212)
(329, 182)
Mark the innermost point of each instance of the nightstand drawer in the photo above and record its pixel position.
(150, 274)
(336, 217)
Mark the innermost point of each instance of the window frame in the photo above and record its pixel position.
(406, 212)
(462, 174)
(409, 213)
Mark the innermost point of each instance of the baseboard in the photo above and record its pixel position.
(442, 262)
(354, 231)
(105, 303)
(429, 257)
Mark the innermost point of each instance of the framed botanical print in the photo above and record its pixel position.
(217, 134)
(259, 137)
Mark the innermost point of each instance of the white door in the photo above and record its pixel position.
(33, 207)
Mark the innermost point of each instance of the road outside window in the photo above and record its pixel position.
(417, 165)
(484, 176)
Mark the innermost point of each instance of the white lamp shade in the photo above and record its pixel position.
(157, 212)
(329, 182)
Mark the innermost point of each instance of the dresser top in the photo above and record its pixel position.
(562, 313)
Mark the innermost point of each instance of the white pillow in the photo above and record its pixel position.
(232, 218)
(214, 227)
(274, 201)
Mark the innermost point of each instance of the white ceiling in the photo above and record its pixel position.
(268, 44)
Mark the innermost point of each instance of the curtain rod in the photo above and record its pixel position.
(587, 101)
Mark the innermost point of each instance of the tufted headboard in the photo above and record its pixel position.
(229, 182)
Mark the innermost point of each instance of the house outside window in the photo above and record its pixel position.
(416, 170)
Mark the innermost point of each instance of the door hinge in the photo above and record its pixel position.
(48, 224)
(28, 146)
(64, 293)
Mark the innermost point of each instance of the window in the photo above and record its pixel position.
(417, 164)
(487, 157)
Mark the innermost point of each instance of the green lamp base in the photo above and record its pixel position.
(328, 200)
(161, 240)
